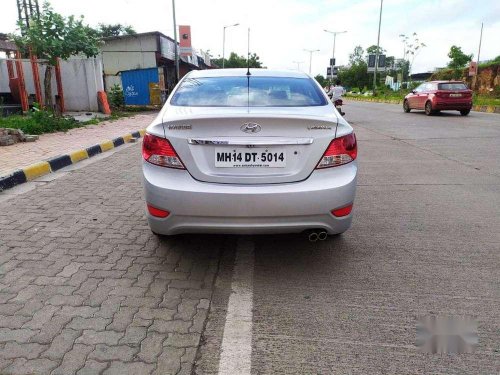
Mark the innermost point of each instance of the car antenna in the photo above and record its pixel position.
(248, 54)
(248, 71)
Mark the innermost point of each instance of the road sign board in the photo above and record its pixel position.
(472, 68)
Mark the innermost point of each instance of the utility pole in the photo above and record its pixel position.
(377, 52)
(175, 44)
(27, 9)
(332, 64)
(311, 51)
(224, 41)
(479, 51)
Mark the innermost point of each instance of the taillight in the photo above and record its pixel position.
(156, 212)
(344, 211)
(159, 151)
(341, 151)
(440, 94)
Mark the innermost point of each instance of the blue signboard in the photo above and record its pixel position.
(136, 85)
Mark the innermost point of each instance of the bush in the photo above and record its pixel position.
(413, 85)
(116, 98)
(39, 121)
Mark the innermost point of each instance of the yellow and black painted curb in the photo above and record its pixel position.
(477, 108)
(41, 168)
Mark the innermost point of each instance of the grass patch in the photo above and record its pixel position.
(485, 100)
(39, 121)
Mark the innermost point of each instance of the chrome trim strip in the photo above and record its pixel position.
(261, 141)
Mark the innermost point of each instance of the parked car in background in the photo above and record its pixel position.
(437, 96)
(245, 153)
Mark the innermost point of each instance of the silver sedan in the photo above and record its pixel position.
(249, 152)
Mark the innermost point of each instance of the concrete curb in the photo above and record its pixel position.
(476, 108)
(41, 168)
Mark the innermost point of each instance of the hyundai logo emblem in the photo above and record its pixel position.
(251, 127)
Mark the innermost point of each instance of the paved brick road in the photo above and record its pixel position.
(54, 144)
(86, 288)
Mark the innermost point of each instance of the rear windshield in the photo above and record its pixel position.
(452, 86)
(248, 91)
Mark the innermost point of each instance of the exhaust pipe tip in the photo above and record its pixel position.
(323, 235)
(313, 237)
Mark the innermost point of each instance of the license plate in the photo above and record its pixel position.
(250, 158)
(455, 95)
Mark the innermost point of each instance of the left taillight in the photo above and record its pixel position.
(159, 151)
(341, 151)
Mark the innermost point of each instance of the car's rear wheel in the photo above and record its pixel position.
(428, 109)
(406, 106)
(465, 112)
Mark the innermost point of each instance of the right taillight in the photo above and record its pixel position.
(159, 151)
(341, 151)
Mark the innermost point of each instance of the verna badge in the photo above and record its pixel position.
(250, 127)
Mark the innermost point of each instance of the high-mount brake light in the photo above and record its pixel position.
(159, 151)
(341, 151)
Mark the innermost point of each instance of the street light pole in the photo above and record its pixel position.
(333, 52)
(479, 51)
(311, 51)
(377, 52)
(175, 45)
(224, 42)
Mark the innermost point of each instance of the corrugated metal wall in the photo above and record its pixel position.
(135, 85)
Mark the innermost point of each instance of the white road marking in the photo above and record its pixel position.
(236, 355)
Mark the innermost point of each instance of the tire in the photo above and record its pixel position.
(406, 106)
(465, 112)
(428, 109)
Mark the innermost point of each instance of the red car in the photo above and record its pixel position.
(435, 96)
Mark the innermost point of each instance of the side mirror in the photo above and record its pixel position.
(413, 91)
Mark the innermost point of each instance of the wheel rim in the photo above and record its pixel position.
(428, 108)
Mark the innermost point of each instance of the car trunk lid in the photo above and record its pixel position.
(250, 145)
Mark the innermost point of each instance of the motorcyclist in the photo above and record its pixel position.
(336, 91)
(335, 94)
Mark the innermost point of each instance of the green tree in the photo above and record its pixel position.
(235, 61)
(357, 56)
(321, 80)
(412, 47)
(372, 50)
(52, 36)
(458, 58)
(403, 67)
(110, 30)
(356, 73)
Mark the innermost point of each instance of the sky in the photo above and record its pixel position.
(280, 30)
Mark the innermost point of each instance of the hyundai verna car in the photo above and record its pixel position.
(249, 152)
(435, 96)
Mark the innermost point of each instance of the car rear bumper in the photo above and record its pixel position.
(443, 105)
(200, 207)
